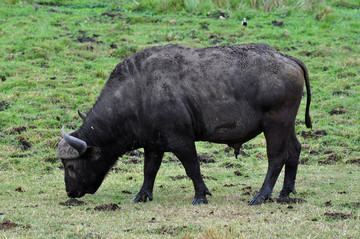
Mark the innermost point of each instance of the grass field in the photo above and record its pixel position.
(55, 57)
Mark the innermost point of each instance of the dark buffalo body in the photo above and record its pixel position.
(165, 98)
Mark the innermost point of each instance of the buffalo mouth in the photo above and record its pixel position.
(75, 194)
(79, 194)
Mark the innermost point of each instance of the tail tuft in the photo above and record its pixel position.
(308, 121)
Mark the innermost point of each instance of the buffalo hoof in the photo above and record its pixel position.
(198, 201)
(142, 197)
(284, 193)
(260, 198)
(200, 198)
(256, 201)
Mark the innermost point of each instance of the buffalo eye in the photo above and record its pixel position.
(70, 167)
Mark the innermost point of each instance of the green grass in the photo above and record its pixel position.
(47, 74)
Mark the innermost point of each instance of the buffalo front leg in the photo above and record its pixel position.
(151, 166)
(190, 161)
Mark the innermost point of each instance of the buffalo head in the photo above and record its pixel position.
(84, 171)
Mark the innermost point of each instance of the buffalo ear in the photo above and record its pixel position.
(94, 152)
(82, 115)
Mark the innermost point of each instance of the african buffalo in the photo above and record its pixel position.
(165, 98)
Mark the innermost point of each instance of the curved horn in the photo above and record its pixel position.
(78, 144)
(82, 115)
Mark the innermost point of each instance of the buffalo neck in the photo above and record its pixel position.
(113, 124)
(107, 134)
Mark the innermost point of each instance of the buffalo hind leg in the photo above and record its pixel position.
(151, 166)
(291, 166)
(188, 157)
(277, 137)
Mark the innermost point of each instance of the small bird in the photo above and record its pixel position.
(244, 22)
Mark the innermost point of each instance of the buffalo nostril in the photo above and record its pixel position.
(71, 194)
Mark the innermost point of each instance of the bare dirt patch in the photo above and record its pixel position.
(135, 153)
(20, 190)
(204, 25)
(52, 4)
(218, 14)
(303, 160)
(205, 158)
(290, 48)
(338, 215)
(107, 207)
(287, 200)
(215, 39)
(48, 168)
(247, 190)
(315, 135)
(341, 93)
(228, 149)
(277, 24)
(237, 173)
(333, 158)
(354, 161)
(113, 46)
(20, 129)
(132, 161)
(51, 160)
(307, 53)
(24, 144)
(320, 133)
(178, 177)
(314, 152)
(351, 205)
(73, 202)
(88, 39)
(4, 105)
(229, 185)
(231, 165)
(7, 225)
(209, 177)
(110, 14)
(337, 112)
(305, 134)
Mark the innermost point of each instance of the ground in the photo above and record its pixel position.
(55, 58)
